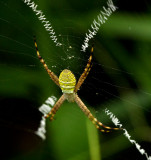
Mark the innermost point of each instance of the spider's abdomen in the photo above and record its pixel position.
(67, 81)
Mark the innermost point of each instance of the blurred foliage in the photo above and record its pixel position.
(120, 76)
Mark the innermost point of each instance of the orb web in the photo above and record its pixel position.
(119, 78)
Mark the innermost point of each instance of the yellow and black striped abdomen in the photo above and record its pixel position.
(67, 81)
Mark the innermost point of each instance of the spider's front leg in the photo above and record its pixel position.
(51, 74)
(56, 107)
(85, 73)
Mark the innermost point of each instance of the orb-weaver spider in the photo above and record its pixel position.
(69, 87)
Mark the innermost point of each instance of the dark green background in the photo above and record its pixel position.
(120, 80)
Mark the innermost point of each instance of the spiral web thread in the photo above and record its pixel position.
(116, 121)
(44, 21)
(96, 24)
(45, 109)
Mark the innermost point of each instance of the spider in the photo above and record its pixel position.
(69, 87)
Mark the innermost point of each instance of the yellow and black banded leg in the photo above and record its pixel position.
(56, 107)
(51, 74)
(87, 112)
(85, 73)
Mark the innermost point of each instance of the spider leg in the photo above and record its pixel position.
(85, 73)
(87, 112)
(51, 74)
(56, 107)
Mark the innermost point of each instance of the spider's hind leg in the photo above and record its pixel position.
(56, 107)
(87, 112)
(107, 128)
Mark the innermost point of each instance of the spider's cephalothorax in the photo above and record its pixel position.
(69, 87)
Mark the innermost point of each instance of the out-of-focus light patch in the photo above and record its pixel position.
(116, 121)
(45, 109)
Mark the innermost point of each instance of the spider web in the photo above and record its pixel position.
(112, 82)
